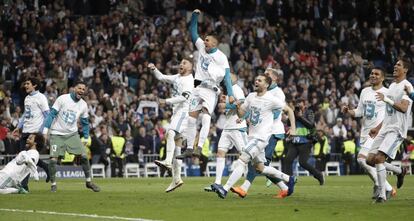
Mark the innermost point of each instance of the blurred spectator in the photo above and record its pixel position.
(339, 135)
(117, 155)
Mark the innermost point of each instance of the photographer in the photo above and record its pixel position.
(301, 144)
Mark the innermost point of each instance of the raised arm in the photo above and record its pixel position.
(160, 76)
(194, 25)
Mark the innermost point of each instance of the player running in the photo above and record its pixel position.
(394, 128)
(372, 114)
(260, 105)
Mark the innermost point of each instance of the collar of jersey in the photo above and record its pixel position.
(33, 93)
(73, 96)
(272, 86)
(212, 50)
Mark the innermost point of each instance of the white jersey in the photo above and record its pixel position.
(261, 109)
(34, 106)
(180, 85)
(231, 115)
(210, 67)
(371, 110)
(69, 112)
(20, 167)
(395, 120)
(278, 127)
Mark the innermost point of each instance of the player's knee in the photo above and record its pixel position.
(361, 161)
(259, 168)
(379, 158)
(370, 160)
(53, 160)
(244, 157)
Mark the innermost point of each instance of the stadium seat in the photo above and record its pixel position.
(300, 171)
(151, 169)
(98, 170)
(211, 169)
(332, 168)
(132, 170)
(276, 165)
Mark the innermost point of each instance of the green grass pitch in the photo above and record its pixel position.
(342, 198)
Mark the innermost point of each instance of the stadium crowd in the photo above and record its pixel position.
(325, 50)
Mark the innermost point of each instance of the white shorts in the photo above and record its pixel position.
(230, 138)
(387, 142)
(255, 149)
(179, 122)
(6, 181)
(203, 97)
(366, 144)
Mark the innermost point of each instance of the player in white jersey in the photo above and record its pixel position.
(211, 68)
(260, 106)
(394, 128)
(278, 133)
(182, 85)
(234, 132)
(21, 166)
(36, 108)
(372, 113)
(62, 123)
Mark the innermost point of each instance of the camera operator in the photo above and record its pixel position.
(301, 144)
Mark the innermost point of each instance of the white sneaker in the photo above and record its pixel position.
(163, 164)
(174, 185)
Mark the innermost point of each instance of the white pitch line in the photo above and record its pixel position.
(74, 214)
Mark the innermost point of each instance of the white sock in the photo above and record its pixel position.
(382, 176)
(176, 166)
(388, 186)
(282, 185)
(8, 190)
(271, 171)
(205, 129)
(219, 169)
(191, 132)
(372, 171)
(390, 167)
(246, 185)
(170, 146)
(235, 175)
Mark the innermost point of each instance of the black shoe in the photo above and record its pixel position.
(400, 177)
(53, 188)
(93, 187)
(320, 178)
(379, 200)
(187, 154)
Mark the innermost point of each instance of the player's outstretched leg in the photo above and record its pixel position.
(87, 170)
